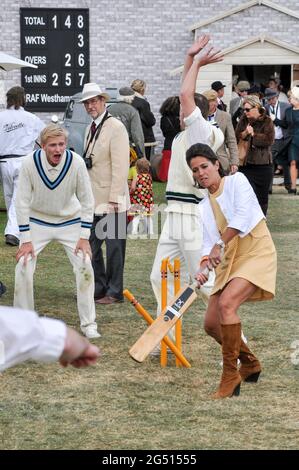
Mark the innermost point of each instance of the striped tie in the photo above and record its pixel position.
(93, 129)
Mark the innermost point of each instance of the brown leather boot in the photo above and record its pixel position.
(231, 379)
(250, 366)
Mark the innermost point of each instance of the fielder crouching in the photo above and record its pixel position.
(55, 202)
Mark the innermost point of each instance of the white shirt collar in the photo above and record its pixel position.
(99, 119)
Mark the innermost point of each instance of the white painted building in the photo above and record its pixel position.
(258, 57)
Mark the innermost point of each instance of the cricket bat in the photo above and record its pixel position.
(163, 323)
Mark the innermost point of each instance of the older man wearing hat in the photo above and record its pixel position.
(277, 112)
(219, 88)
(106, 152)
(129, 116)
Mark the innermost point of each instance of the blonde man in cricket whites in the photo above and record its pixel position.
(55, 202)
(181, 236)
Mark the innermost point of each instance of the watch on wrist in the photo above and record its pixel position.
(220, 243)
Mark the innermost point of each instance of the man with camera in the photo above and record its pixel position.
(54, 202)
(106, 154)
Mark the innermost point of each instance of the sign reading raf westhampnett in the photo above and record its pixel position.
(57, 41)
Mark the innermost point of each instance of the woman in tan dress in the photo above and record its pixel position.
(237, 243)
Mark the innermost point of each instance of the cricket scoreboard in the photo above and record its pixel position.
(57, 42)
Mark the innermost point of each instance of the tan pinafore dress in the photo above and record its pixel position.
(252, 257)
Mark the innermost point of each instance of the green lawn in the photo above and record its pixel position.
(119, 404)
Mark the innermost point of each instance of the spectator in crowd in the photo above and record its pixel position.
(107, 151)
(228, 152)
(277, 112)
(235, 80)
(132, 170)
(292, 118)
(25, 336)
(219, 88)
(255, 90)
(147, 118)
(170, 127)
(236, 104)
(142, 199)
(54, 202)
(256, 130)
(129, 116)
(274, 84)
(238, 245)
(18, 133)
(181, 235)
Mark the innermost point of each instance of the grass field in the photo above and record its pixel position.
(119, 404)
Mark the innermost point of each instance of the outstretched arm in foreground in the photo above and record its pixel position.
(24, 335)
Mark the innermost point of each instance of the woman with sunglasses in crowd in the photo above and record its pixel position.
(256, 129)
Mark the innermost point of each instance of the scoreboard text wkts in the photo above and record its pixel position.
(57, 41)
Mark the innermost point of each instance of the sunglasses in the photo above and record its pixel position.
(246, 110)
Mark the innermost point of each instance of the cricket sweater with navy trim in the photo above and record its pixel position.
(54, 196)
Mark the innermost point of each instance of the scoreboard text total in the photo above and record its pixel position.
(57, 41)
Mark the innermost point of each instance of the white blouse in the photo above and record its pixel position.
(239, 206)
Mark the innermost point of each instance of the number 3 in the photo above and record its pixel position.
(80, 40)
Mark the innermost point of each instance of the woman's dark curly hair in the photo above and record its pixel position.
(170, 106)
(203, 150)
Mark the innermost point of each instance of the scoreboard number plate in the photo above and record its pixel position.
(57, 41)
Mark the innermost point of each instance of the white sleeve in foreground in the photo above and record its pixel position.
(24, 335)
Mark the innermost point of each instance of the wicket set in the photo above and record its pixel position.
(150, 320)
(166, 342)
(175, 269)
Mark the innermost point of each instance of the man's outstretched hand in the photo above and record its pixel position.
(198, 45)
(209, 55)
(78, 351)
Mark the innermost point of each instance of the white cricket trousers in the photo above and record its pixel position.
(10, 169)
(181, 238)
(68, 236)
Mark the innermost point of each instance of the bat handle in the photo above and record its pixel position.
(206, 272)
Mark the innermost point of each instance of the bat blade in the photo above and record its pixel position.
(164, 322)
